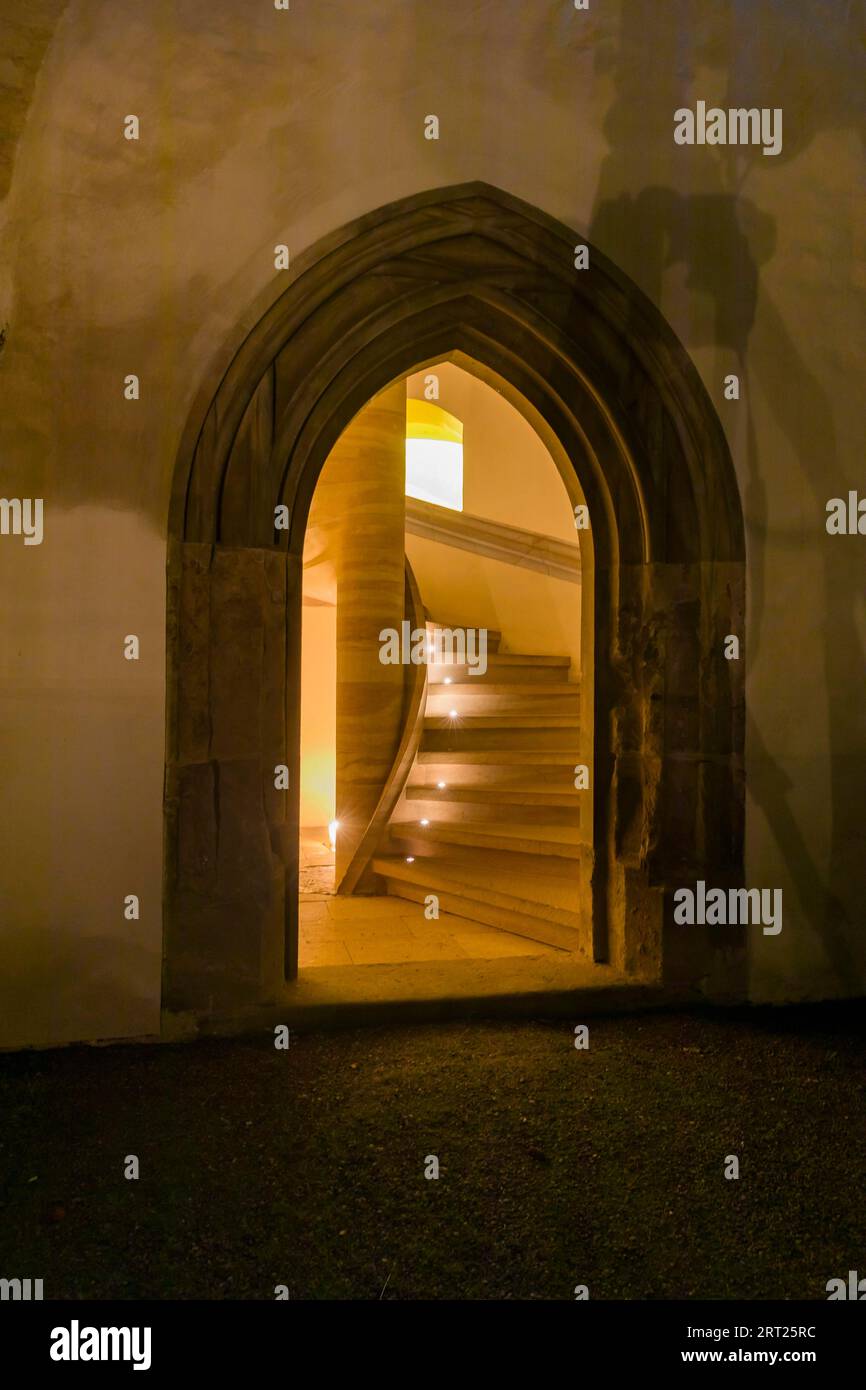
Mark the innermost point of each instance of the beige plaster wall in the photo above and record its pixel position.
(259, 127)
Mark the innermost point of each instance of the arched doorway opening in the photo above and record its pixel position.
(445, 780)
(620, 407)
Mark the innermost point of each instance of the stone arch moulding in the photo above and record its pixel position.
(468, 270)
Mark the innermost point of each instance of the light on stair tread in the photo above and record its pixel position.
(452, 714)
(442, 786)
(447, 680)
(424, 822)
(410, 859)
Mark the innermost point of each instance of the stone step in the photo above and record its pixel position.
(538, 692)
(505, 666)
(496, 796)
(507, 721)
(499, 735)
(463, 895)
(537, 883)
(517, 837)
(538, 702)
(439, 806)
(506, 758)
(464, 770)
(494, 638)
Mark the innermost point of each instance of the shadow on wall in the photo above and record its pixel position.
(784, 55)
(66, 980)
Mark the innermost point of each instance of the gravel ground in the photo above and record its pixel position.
(557, 1166)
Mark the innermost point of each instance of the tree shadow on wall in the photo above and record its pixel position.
(809, 61)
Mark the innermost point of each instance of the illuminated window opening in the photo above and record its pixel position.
(434, 455)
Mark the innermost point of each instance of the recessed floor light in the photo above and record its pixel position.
(424, 822)
(410, 859)
(442, 785)
(447, 680)
(452, 714)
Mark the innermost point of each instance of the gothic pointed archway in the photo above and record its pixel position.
(475, 272)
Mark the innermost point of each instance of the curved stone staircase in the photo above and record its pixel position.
(489, 820)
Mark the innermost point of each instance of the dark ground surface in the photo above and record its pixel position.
(557, 1166)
